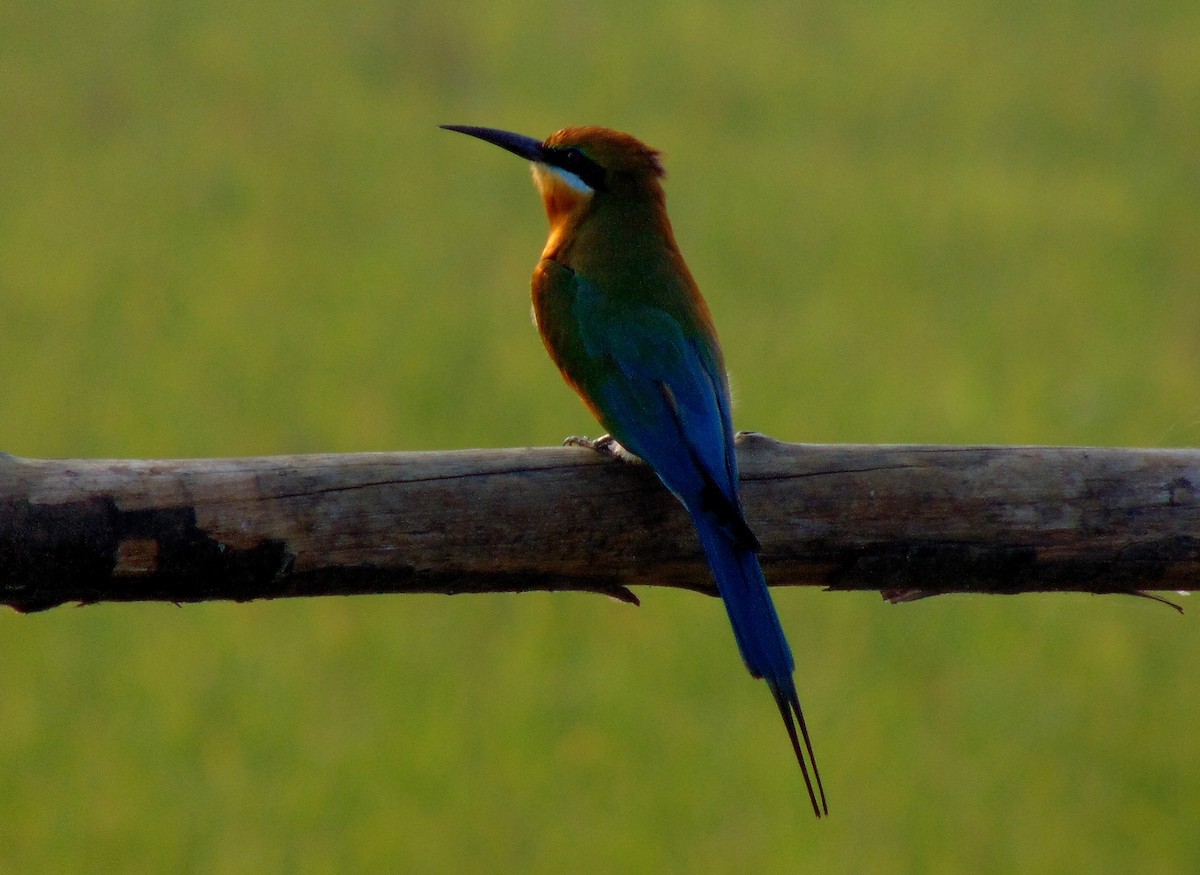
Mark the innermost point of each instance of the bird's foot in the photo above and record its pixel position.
(605, 445)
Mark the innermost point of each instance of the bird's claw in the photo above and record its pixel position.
(605, 445)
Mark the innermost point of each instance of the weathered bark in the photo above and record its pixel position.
(906, 520)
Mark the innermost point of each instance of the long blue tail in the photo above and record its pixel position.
(759, 635)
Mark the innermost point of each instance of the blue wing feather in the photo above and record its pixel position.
(664, 397)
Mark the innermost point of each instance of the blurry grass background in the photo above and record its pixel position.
(233, 230)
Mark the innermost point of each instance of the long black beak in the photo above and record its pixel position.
(526, 147)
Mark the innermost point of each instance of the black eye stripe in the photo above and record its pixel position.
(574, 161)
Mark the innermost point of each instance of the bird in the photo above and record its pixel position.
(623, 319)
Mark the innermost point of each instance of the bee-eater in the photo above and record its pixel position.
(624, 321)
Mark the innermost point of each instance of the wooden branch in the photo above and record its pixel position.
(906, 520)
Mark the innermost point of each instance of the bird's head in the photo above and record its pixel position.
(576, 165)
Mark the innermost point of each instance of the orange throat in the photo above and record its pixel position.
(563, 201)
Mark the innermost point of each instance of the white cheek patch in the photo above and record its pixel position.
(570, 180)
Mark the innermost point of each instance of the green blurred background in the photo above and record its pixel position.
(235, 229)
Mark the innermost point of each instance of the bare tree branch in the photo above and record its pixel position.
(906, 520)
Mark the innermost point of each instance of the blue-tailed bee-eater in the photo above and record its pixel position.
(624, 321)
